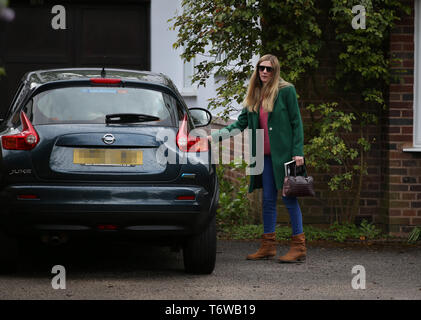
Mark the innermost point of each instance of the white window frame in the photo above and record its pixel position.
(188, 72)
(417, 80)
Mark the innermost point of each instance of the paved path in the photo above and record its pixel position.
(143, 272)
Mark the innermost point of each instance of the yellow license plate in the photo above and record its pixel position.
(116, 157)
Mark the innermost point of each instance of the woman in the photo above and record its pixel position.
(271, 104)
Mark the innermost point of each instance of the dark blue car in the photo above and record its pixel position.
(106, 152)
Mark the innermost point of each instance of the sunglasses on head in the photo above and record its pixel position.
(262, 68)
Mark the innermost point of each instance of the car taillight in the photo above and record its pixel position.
(107, 227)
(25, 140)
(27, 197)
(105, 81)
(189, 143)
(186, 197)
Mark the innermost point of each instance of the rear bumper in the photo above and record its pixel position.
(128, 209)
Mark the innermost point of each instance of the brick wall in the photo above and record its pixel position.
(402, 185)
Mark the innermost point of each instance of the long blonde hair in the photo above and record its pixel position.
(267, 93)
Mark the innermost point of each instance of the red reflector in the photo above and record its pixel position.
(27, 196)
(107, 227)
(105, 81)
(186, 197)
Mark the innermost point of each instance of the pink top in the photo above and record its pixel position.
(263, 121)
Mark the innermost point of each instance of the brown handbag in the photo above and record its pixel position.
(298, 186)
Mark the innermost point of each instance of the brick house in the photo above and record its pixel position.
(391, 193)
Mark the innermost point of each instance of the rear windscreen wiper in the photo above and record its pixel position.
(129, 118)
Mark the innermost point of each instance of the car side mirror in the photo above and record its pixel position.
(201, 117)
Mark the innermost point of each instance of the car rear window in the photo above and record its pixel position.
(92, 104)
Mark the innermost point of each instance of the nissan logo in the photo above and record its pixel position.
(108, 138)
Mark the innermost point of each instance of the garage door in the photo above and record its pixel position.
(96, 34)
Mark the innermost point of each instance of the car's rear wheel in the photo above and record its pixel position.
(8, 253)
(199, 251)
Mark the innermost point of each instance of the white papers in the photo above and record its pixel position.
(288, 166)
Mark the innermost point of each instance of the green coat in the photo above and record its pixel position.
(286, 135)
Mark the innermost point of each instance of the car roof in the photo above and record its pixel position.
(40, 77)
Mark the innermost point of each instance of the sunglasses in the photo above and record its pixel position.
(262, 68)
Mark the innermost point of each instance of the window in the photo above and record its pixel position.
(188, 72)
(92, 104)
(222, 55)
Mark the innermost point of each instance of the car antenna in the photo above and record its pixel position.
(103, 74)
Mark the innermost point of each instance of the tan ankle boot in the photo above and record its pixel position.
(267, 248)
(297, 252)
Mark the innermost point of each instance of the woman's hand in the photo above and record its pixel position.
(299, 161)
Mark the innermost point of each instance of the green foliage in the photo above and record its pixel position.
(291, 30)
(415, 235)
(336, 232)
(364, 52)
(234, 206)
(327, 144)
(365, 231)
(241, 29)
(246, 232)
(295, 31)
(330, 146)
(218, 25)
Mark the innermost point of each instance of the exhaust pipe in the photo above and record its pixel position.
(54, 239)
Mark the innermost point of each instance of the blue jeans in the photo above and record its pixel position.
(270, 195)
